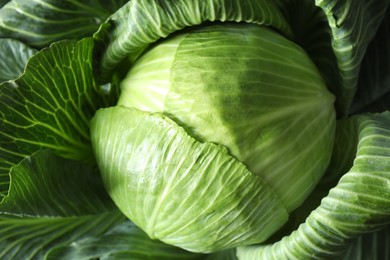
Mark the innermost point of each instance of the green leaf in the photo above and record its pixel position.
(373, 246)
(47, 185)
(229, 254)
(14, 56)
(41, 22)
(141, 22)
(311, 32)
(3, 2)
(52, 201)
(33, 237)
(353, 24)
(185, 193)
(343, 155)
(124, 241)
(373, 92)
(358, 204)
(50, 106)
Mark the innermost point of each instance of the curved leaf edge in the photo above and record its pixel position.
(357, 205)
(168, 177)
(129, 31)
(18, 96)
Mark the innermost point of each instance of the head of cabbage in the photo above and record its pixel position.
(219, 133)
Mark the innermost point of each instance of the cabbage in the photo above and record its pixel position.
(197, 129)
(243, 87)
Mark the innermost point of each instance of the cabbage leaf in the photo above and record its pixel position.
(12, 65)
(42, 22)
(52, 201)
(358, 204)
(50, 106)
(176, 187)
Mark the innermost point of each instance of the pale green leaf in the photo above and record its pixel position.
(185, 193)
(249, 89)
(343, 155)
(141, 22)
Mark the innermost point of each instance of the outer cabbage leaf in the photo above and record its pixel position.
(50, 106)
(13, 59)
(141, 22)
(358, 204)
(127, 241)
(124, 241)
(373, 246)
(52, 201)
(353, 25)
(41, 22)
(48, 185)
(373, 92)
(33, 237)
(186, 193)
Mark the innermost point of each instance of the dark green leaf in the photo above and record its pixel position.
(373, 246)
(41, 22)
(3, 2)
(14, 56)
(124, 241)
(50, 106)
(373, 92)
(353, 25)
(229, 254)
(33, 237)
(52, 201)
(48, 185)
